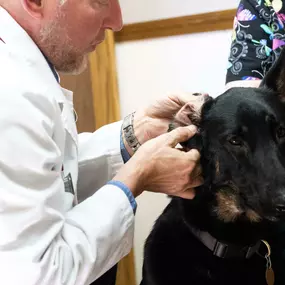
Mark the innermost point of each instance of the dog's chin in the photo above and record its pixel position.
(276, 217)
(228, 207)
(272, 219)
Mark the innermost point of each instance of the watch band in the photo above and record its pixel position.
(129, 133)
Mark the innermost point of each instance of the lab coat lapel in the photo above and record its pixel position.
(68, 115)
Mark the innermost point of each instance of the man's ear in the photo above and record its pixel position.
(33, 7)
(275, 77)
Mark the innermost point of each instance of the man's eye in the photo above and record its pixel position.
(103, 2)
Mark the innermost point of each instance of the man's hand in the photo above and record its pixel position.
(158, 166)
(155, 119)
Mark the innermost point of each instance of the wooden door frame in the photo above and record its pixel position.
(199, 23)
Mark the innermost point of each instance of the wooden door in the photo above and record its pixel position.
(82, 98)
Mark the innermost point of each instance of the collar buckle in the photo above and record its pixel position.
(224, 250)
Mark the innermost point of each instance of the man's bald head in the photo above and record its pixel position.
(66, 30)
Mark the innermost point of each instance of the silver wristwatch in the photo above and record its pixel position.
(129, 133)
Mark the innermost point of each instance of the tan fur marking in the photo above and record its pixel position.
(228, 208)
(217, 164)
(253, 216)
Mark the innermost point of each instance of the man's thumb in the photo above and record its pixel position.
(180, 134)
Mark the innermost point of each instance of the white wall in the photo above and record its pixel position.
(146, 10)
(150, 69)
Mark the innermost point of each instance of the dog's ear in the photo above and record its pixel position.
(275, 77)
(191, 114)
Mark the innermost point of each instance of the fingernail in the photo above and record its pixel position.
(193, 128)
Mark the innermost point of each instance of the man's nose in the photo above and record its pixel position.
(114, 20)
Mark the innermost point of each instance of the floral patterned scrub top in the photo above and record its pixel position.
(258, 37)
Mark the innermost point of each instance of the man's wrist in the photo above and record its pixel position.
(132, 177)
(128, 134)
(127, 147)
(140, 121)
(124, 151)
(127, 191)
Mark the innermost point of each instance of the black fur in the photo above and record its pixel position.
(242, 144)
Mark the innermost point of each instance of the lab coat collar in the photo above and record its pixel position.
(56, 75)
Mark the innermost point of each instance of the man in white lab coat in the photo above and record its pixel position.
(67, 202)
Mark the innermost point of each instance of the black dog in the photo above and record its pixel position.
(216, 239)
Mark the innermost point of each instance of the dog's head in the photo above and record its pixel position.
(242, 142)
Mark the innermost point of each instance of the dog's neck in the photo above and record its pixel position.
(199, 214)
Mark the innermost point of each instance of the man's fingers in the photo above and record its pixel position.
(197, 171)
(179, 135)
(184, 98)
(190, 192)
(193, 155)
(198, 181)
(187, 194)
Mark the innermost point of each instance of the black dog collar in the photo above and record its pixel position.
(222, 249)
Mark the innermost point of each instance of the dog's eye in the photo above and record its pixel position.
(236, 141)
(280, 132)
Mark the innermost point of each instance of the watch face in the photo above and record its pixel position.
(135, 148)
(129, 132)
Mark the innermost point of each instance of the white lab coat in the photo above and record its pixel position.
(46, 238)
